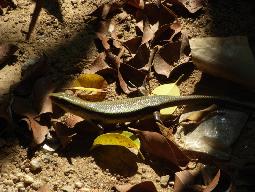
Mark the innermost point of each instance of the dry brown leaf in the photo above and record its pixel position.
(145, 186)
(130, 78)
(183, 179)
(136, 3)
(100, 67)
(141, 57)
(165, 58)
(133, 44)
(105, 31)
(39, 131)
(166, 33)
(64, 133)
(196, 116)
(213, 184)
(148, 31)
(159, 146)
(42, 88)
(6, 52)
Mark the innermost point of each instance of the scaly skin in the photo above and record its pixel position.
(132, 109)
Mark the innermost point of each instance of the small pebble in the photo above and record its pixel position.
(28, 179)
(164, 180)
(35, 165)
(8, 182)
(20, 185)
(78, 184)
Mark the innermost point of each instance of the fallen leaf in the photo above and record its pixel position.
(39, 131)
(159, 13)
(133, 45)
(182, 180)
(141, 57)
(166, 33)
(213, 184)
(196, 116)
(42, 88)
(100, 67)
(136, 3)
(63, 133)
(130, 78)
(123, 138)
(105, 32)
(145, 186)
(6, 52)
(89, 87)
(165, 58)
(148, 31)
(159, 146)
(167, 89)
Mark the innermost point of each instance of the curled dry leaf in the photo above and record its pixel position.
(154, 16)
(105, 31)
(64, 133)
(141, 58)
(6, 52)
(159, 146)
(39, 131)
(100, 67)
(166, 33)
(136, 3)
(145, 186)
(130, 78)
(196, 116)
(182, 180)
(133, 44)
(165, 58)
(42, 88)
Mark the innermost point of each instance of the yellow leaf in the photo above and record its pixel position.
(89, 87)
(120, 138)
(90, 81)
(167, 89)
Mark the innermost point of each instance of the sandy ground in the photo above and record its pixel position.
(70, 47)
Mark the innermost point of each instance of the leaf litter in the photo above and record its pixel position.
(129, 63)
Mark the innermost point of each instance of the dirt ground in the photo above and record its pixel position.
(70, 47)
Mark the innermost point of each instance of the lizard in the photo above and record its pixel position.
(132, 109)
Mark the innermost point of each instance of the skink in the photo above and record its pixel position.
(131, 109)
